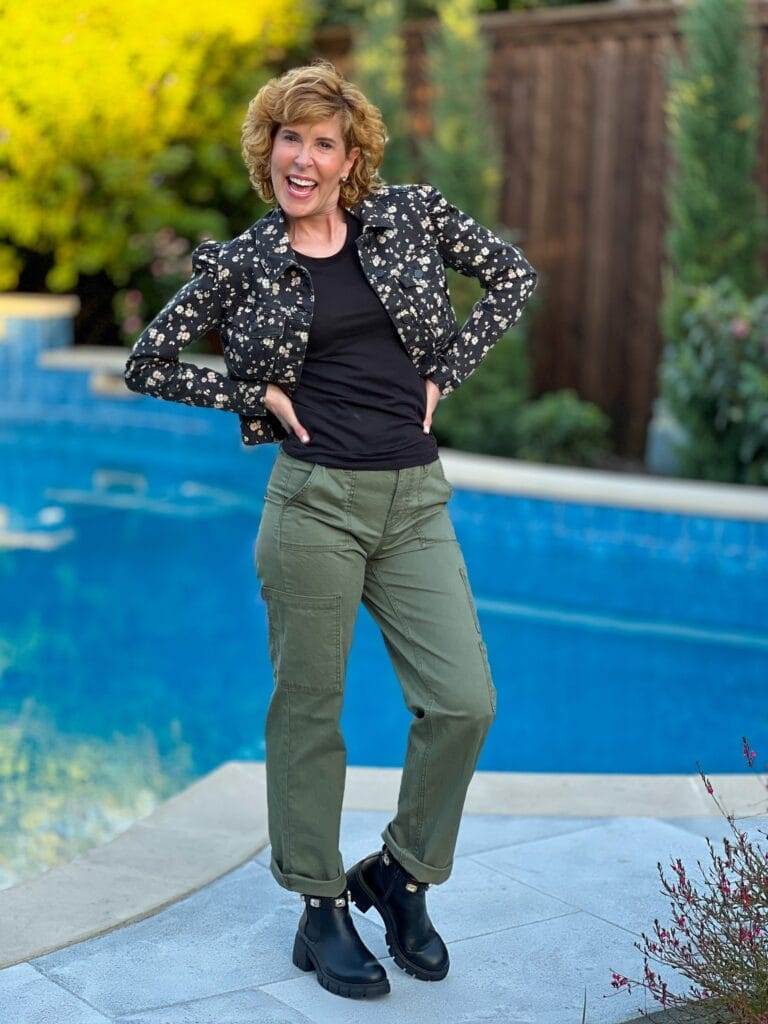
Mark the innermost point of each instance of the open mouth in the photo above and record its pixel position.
(300, 187)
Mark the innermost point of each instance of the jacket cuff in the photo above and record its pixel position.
(250, 399)
(443, 377)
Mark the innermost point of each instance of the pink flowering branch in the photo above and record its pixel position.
(719, 939)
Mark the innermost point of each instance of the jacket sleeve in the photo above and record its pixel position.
(153, 366)
(502, 269)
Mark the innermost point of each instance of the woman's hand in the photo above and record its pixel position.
(433, 397)
(281, 406)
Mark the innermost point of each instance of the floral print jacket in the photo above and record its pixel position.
(260, 299)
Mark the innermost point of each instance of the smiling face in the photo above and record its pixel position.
(316, 154)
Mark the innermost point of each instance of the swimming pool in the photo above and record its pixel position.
(620, 640)
(133, 651)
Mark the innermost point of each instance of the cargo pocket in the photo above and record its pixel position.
(304, 640)
(488, 679)
(480, 641)
(470, 598)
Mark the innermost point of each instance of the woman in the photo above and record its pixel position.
(340, 339)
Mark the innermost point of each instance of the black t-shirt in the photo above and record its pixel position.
(359, 395)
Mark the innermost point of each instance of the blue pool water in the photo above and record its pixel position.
(620, 640)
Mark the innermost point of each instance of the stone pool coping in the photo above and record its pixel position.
(220, 822)
(604, 487)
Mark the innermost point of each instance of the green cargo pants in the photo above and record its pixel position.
(329, 538)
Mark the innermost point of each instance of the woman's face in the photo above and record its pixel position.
(316, 153)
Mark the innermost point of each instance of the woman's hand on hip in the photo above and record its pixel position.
(433, 397)
(280, 405)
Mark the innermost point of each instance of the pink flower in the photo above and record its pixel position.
(740, 327)
(749, 754)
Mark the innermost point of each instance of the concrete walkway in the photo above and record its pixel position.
(537, 910)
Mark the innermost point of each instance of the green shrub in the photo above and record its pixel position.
(715, 383)
(493, 412)
(562, 428)
(716, 224)
(479, 416)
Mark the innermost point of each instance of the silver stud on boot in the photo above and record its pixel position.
(338, 901)
(412, 886)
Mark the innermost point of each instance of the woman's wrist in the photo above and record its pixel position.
(443, 379)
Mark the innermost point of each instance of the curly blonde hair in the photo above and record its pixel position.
(312, 93)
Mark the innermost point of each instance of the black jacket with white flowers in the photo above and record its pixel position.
(260, 299)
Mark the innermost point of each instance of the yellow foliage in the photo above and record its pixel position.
(92, 92)
(460, 18)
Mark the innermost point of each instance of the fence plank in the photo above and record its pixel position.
(578, 96)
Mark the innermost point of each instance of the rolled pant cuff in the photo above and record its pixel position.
(421, 872)
(309, 886)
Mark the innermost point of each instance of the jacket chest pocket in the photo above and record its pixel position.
(253, 345)
(425, 291)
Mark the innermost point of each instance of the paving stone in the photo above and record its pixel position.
(27, 997)
(609, 870)
(236, 933)
(530, 924)
(251, 1006)
(532, 974)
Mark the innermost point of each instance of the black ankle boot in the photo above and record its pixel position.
(380, 881)
(327, 942)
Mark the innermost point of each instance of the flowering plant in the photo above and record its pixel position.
(714, 380)
(719, 939)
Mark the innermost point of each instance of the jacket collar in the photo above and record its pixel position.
(269, 234)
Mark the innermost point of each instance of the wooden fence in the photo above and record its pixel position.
(578, 96)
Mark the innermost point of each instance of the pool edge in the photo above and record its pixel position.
(642, 492)
(219, 823)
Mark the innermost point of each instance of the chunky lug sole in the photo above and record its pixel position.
(304, 959)
(364, 898)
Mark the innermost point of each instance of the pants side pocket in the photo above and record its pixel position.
(305, 640)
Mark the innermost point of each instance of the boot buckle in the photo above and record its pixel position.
(415, 886)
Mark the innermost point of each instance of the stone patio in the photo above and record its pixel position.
(539, 908)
